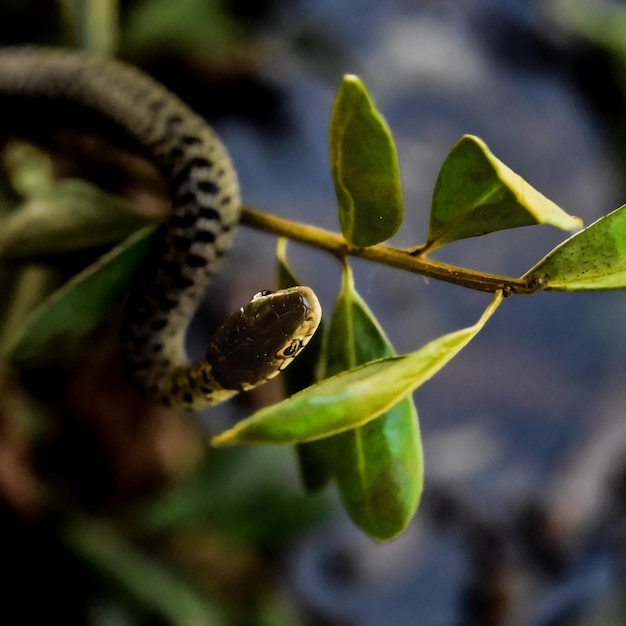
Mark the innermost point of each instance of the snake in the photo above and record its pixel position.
(255, 342)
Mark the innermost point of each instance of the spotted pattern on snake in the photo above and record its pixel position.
(203, 187)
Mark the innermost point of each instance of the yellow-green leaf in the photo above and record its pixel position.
(54, 327)
(594, 258)
(71, 215)
(476, 193)
(364, 167)
(351, 399)
(378, 467)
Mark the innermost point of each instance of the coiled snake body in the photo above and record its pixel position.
(257, 341)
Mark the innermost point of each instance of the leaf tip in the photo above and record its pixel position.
(575, 223)
(352, 79)
(227, 438)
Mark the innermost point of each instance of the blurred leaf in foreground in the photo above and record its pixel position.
(77, 307)
(71, 215)
(148, 582)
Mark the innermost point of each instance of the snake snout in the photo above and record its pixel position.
(263, 337)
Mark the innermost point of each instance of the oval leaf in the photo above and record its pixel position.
(379, 470)
(594, 258)
(378, 467)
(476, 193)
(352, 398)
(364, 167)
(72, 215)
(76, 308)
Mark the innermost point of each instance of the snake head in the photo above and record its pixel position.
(259, 340)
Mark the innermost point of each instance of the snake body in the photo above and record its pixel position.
(258, 340)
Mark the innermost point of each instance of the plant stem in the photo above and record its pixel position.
(92, 25)
(386, 255)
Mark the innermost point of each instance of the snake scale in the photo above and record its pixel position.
(255, 342)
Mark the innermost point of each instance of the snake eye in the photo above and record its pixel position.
(261, 294)
(290, 349)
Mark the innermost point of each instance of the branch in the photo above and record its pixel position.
(386, 255)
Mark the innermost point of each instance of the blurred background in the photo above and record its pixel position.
(114, 512)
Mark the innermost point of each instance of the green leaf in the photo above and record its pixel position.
(28, 169)
(379, 470)
(378, 467)
(300, 374)
(196, 28)
(138, 575)
(314, 471)
(476, 193)
(601, 23)
(351, 399)
(54, 327)
(594, 258)
(364, 167)
(354, 336)
(72, 215)
(239, 492)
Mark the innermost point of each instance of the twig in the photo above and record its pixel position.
(387, 255)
